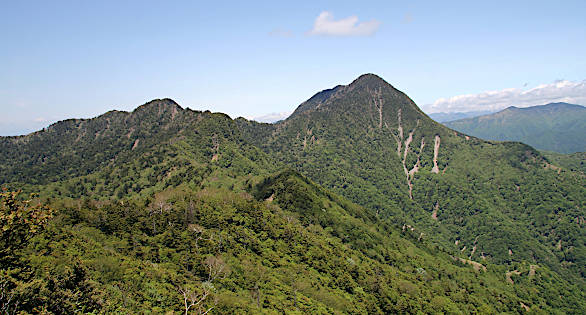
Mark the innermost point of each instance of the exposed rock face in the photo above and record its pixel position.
(477, 266)
(510, 273)
(436, 146)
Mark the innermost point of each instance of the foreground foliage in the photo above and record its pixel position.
(308, 251)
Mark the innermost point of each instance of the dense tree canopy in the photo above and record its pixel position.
(357, 203)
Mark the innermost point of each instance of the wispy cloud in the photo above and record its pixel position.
(326, 25)
(558, 91)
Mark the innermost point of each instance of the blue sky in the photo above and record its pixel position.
(62, 59)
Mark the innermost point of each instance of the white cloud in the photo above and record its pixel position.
(559, 91)
(326, 25)
(272, 117)
(40, 120)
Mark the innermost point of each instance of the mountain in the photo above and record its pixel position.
(445, 117)
(356, 203)
(558, 127)
(370, 143)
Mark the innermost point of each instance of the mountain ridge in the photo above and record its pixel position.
(443, 117)
(410, 194)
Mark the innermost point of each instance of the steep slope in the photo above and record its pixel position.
(559, 127)
(370, 143)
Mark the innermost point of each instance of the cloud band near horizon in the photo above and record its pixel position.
(558, 91)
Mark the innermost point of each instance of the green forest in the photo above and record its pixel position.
(358, 203)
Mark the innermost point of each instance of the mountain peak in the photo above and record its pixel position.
(158, 109)
(366, 83)
(164, 103)
(368, 78)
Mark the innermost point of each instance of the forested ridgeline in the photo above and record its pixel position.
(357, 203)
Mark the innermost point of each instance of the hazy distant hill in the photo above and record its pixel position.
(558, 127)
(443, 117)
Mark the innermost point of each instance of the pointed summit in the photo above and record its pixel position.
(365, 81)
(367, 95)
(370, 80)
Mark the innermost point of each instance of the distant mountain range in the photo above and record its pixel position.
(444, 117)
(558, 127)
